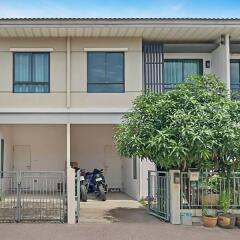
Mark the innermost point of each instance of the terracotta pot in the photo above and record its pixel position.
(238, 220)
(209, 221)
(226, 221)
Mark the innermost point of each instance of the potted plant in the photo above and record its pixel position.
(238, 220)
(225, 218)
(207, 219)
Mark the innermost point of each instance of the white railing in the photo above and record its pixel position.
(207, 191)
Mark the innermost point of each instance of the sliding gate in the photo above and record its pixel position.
(159, 194)
(32, 196)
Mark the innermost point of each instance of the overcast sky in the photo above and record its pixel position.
(119, 8)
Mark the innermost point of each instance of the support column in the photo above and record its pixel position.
(68, 72)
(221, 60)
(175, 196)
(70, 181)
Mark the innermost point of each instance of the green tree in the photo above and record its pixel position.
(195, 125)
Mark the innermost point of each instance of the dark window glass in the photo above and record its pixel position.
(178, 70)
(235, 77)
(31, 73)
(105, 72)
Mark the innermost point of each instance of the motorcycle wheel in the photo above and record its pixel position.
(83, 193)
(102, 194)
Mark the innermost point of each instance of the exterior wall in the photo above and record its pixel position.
(133, 72)
(131, 186)
(58, 72)
(221, 62)
(146, 165)
(57, 97)
(203, 56)
(92, 146)
(7, 135)
(47, 142)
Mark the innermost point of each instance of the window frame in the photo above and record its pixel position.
(31, 82)
(235, 61)
(113, 83)
(182, 60)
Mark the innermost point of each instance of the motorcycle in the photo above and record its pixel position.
(83, 185)
(97, 183)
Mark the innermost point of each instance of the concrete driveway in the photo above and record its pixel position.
(118, 208)
(113, 231)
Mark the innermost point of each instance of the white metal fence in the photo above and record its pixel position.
(207, 191)
(32, 196)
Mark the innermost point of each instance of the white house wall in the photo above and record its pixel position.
(203, 56)
(7, 135)
(145, 166)
(47, 143)
(221, 61)
(92, 146)
(58, 72)
(57, 97)
(133, 72)
(131, 186)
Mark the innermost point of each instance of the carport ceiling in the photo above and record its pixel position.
(162, 29)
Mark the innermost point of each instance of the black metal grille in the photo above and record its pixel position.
(153, 59)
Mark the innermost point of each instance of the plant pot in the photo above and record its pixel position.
(209, 221)
(209, 199)
(226, 221)
(238, 220)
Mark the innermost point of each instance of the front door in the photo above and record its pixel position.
(22, 158)
(112, 167)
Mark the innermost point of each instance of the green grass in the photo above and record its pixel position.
(143, 201)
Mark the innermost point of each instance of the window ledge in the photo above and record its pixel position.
(105, 49)
(31, 49)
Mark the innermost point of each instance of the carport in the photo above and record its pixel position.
(92, 146)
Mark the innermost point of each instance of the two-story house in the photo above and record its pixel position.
(65, 83)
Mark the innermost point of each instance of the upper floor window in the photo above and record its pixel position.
(177, 70)
(105, 72)
(235, 76)
(31, 72)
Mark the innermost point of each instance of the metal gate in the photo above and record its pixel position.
(32, 196)
(77, 195)
(159, 194)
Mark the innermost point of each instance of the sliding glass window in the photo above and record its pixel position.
(235, 77)
(31, 73)
(105, 72)
(178, 70)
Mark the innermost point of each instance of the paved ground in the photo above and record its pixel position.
(119, 218)
(113, 231)
(118, 208)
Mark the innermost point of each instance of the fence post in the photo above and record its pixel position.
(149, 190)
(78, 195)
(175, 197)
(18, 176)
(70, 183)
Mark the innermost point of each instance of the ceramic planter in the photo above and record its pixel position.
(209, 221)
(226, 220)
(238, 220)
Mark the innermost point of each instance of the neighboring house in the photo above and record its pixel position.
(65, 83)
